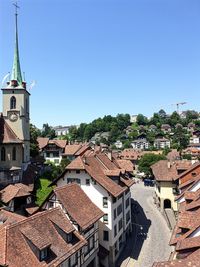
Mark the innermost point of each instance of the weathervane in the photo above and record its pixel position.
(16, 7)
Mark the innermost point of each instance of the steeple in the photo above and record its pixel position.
(16, 70)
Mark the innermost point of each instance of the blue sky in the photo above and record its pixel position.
(91, 58)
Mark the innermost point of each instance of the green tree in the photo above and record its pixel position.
(127, 144)
(34, 134)
(174, 119)
(147, 161)
(48, 131)
(155, 120)
(64, 162)
(141, 119)
(191, 115)
(162, 113)
(73, 133)
(187, 156)
(180, 138)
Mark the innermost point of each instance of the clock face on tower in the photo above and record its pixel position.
(13, 116)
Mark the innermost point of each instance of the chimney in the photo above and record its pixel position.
(84, 160)
(169, 164)
(109, 154)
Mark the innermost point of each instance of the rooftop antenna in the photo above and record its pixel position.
(16, 7)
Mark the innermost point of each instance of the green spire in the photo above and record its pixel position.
(16, 71)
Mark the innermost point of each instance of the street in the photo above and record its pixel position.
(151, 235)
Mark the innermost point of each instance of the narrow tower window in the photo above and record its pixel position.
(3, 154)
(13, 103)
(26, 105)
(14, 153)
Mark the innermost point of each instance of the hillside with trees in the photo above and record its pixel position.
(110, 129)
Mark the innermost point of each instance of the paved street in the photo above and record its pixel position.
(151, 243)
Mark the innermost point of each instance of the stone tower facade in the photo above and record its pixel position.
(16, 103)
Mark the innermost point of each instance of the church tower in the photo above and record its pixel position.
(16, 102)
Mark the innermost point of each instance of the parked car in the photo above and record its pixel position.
(149, 182)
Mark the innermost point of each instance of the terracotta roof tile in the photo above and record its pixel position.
(188, 243)
(42, 142)
(41, 230)
(95, 170)
(195, 165)
(125, 164)
(77, 204)
(7, 217)
(82, 150)
(59, 143)
(76, 164)
(14, 190)
(163, 172)
(97, 165)
(72, 149)
(191, 261)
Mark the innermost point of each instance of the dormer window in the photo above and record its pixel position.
(69, 238)
(13, 103)
(43, 254)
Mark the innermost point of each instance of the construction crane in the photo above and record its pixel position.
(179, 104)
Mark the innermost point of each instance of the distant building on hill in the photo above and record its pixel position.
(133, 118)
(61, 130)
(162, 143)
(140, 143)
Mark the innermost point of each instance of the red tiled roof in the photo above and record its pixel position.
(76, 164)
(41, 229)
(188, 170)
(8, 217)
(95, 170)
(163, 172)
(14, 190)
(130, 154)
(6, 133)
(72, 149)
(104, 159)
(42, 142)
(97, 166)
(183, 164)
(188, 243)
(59, 143)
(125, 164)
(82, 150)
(78, 205)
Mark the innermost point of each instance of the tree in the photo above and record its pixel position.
(180, 138)
(174, 119)
(155, 120)
(141, 119)
(73, 133)
(191, 115)
(162, 113)
(187, 156)
(127, 144)
(89, 132)
(64, 162)
(133, 135)
(48, 131)
(34, 134)
(147, 161)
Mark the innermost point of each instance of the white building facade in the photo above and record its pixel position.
(115, 226)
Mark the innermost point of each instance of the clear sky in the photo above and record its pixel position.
(92, 58)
